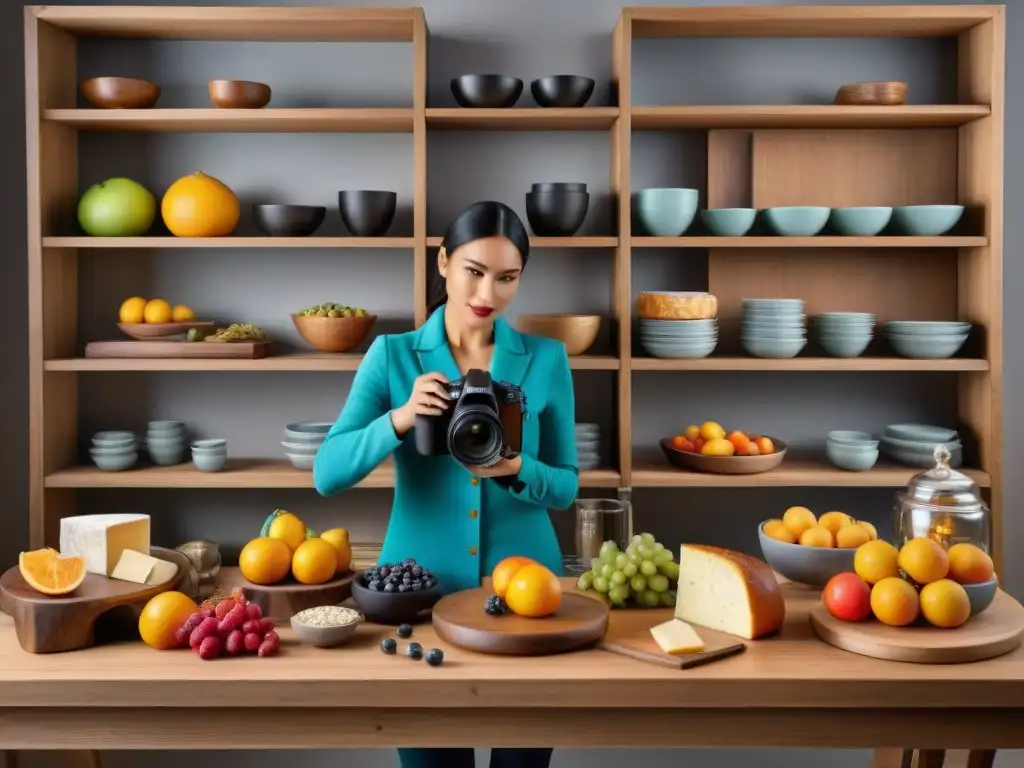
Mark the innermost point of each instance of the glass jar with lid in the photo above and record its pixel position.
(944, 505)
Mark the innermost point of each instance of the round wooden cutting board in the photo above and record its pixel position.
(460, 619)
(993, 632)
(282, 601)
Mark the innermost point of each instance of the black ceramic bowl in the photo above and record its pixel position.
(289, 220)
(559, 186)
(367, 212)
(486, 90)
(394, 607)
(556, 214)
(562, 90)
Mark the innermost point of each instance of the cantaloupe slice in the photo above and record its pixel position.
(48, 572)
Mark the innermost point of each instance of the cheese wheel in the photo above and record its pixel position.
(665, 305)
(728, 591)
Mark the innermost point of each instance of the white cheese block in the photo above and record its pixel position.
(102, 539)
(143, 569)
(677, 637)
(728, 591)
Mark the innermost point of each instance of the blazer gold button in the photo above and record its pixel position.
(474, 481)
(472, 514)
(472, 550)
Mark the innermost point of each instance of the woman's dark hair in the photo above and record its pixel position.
(485, 218)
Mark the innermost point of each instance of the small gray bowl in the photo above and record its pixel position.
(117, 462)
(927, 220)
(166, 425)
(777, 349)
(852, 437)
(113, 435)
(301, 462)
(210, 444)
(981, 595)
(166, 458)
(797, 220)
(325, 637)
(845, 346)
(209, 462)
(921, 433)
(804, 565)
(864, 221)
(853, 458)
(729, 222)
(307, 431)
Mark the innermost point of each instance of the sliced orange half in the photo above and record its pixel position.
(47, 571)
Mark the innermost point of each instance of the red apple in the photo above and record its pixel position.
(847, 597)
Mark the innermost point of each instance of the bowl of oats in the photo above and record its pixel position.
(326, 626)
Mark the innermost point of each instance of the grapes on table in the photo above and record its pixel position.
(644, 574)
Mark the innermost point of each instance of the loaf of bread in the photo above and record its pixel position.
(666, 305)
(728, 591)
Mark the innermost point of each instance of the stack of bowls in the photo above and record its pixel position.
(844, 334)
(302, 440)
(913, 445)
(666, 211)
(773, 328)
(926, 339)
(588, 446)
(114, 451)
(210, 455)
(679, 338)
(854, 451)
(166, 442)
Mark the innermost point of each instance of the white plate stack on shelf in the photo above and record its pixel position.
(678, 324)
(302, 440)
(588, 446)
(773, 328)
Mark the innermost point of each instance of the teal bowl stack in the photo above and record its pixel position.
(843, 334)
(913, 445)
(773, 328)
(679, 338)
(927, 339)
(114, 450)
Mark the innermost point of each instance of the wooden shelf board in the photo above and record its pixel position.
(236, 120)
(657, 118)
(241, 23)
(523, 119)
(245, 473)
(821, 241)
(793, 472)
(556, 242)
(834, 364)
(228, 242)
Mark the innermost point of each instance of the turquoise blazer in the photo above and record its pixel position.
(452, 522)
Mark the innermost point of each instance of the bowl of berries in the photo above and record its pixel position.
(395, 593)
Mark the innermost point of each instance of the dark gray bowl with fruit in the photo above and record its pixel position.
(398, 593)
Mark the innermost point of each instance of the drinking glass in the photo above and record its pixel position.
(598, 521)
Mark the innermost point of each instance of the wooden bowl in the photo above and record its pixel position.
(724, 465)
(143, 331)
(120, 92)
(239, 94)
(577, 332)
(334, 334)
(881, 94)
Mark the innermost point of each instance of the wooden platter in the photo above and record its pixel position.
(168, 349)
(47, 624)
(629, 634)
(459, 619)
(724, 465)
(159, 330)
(993, 632)
(282, 601)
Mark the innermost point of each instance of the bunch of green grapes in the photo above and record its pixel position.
(646, 572)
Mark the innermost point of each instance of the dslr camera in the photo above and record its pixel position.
(482, 427)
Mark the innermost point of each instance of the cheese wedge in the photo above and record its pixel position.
(728, 591)
(102, 539)
(676, 637)
(143, 569)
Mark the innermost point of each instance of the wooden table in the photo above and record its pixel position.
(791, 691)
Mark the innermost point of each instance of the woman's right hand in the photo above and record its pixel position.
(429, 398)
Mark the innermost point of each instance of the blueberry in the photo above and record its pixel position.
(374, 586)
(495, 606)
(417, 586)
(415, 651)
(403, 587)
(417, 572)
(435, 657)
(389, 587)
(388, 645)
(385, 571)
(404, 630)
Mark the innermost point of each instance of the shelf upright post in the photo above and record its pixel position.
(420, 52)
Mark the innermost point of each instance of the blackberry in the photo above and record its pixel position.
(404, 630)
(435, 657)
(388, 645)
(495, 606)
(415, 651)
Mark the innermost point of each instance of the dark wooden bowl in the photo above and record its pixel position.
(120, 92)
(724, 465)
(239, 94)
(394, 607)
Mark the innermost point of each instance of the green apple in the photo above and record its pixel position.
(117, 207)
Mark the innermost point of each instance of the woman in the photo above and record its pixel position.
(460, 520)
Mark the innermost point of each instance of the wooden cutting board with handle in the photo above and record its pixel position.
(629, 634)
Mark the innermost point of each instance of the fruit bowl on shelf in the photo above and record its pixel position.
(145, 331)
(386, 604)
(333, 327)
(722, 464)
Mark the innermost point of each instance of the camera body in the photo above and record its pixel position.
(483, 426)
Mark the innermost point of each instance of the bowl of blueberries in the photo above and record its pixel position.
(395, 593)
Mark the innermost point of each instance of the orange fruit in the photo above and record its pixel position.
(852, 536)
(817, 536)
(289, 528)
(895, 602)
(503, 572)
(872, 531)
(834, 521)
(924, 560)
(200, 206)
(799, 519)
(46, 571)
(739, 441)
(534, 592)
(265, 560)
(875, 561)
(338, 538)
(969, 564)
(162, 617)
(776, 529)
(314, 562)
(944, 603)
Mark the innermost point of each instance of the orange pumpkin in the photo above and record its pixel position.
(200, 206)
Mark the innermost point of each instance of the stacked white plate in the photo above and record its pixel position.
(773, 328)
(679, 338)
(302, 440)
(588, 446)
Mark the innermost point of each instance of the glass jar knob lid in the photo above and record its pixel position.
(943, 486)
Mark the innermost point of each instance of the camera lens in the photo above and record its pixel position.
(475, 437)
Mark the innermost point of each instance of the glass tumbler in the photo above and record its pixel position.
(598, 521)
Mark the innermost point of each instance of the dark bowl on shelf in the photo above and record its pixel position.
(120, 92)
(494, 91)
(289, 220)
(367, 212)
(559, 186)
(556, 214)
(394, 607)
(562, 90)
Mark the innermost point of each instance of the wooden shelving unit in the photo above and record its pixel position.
(757, 156)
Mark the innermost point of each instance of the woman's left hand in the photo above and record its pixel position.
(501, 469)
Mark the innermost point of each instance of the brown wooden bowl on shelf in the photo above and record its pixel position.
(239, 94)
(334, 334)
(145, 331)
(724, 465)
(890, 93)
(120, 92)
(577, 332)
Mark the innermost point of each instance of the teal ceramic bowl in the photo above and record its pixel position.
(307, 431)
(981, 595)
(926, 220)
(301, 449)
(852, 437)
(797, 220)
(864, 221)
(666, 211)
(926, 347)
(729, 222)
(853, 458)
(777, 349)
(679, 349)
(114, 462)
(209, 462)
(927, 327)
(921, 433)
(845, 346)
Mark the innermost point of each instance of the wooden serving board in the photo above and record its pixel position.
(995, 631)
(47, 624)
(165, 349)
(629, 634)
(459, 619)
(282, 601)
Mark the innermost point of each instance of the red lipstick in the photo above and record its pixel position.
(481, 311)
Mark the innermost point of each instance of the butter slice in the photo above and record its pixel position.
(143, 569)
(677, 637)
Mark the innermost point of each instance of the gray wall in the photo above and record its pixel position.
(528, 38)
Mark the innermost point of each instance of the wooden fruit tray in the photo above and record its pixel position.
(166, 348)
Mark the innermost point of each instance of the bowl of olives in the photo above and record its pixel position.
(332, 327)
